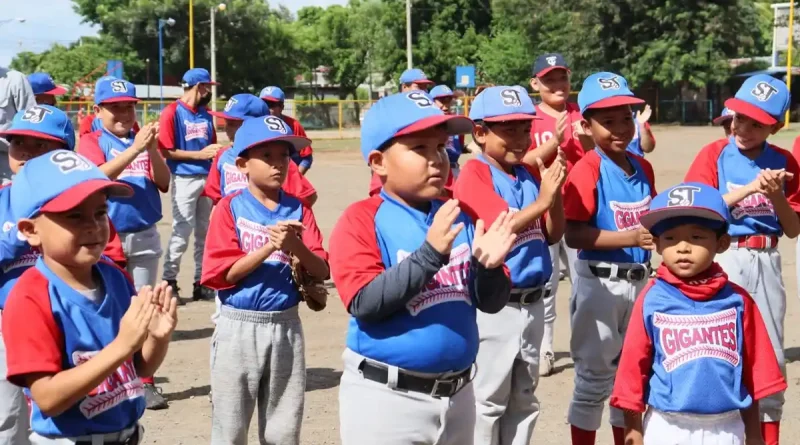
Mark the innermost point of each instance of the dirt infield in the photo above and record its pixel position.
(341, 178)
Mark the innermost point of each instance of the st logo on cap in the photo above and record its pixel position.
(113, 90)
(502, 103)
(691, 202)
(605, 90)
(43, 122)
(762, 98)
(264, 130)
(241, 107)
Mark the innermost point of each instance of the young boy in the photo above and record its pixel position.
(45, 89)
(275, 99)
(697, 356)
(761, 184)
(77, 340)
(443, 98)
(497, 181)
(604, 195)
(725, 119)
(414, 79)
(643, 140)
(412, 271)
(225, 178)
(257, 352)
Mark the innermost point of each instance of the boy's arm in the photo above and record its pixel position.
(752, 424)
(492, 287)
(90, 148)
(555, 222)
(704, 170)
(584, 236)
(634, 430)
(786, 200)
(158, 166)
(213, 189)
(548, 149)
(310, 251)
(162, 324)
(646, 139)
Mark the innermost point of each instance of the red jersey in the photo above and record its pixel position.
(543, 129)
(375, 184)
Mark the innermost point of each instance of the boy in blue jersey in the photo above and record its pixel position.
(45, 89)
(604, 195)
(258, 353)
(412, 271)
(697, 357)
(761, 184)
(643, 140)
(275, 100)
(497, 181)
(78, 336)
(443, 97)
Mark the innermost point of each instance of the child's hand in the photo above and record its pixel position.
(553, 177)
(491, 247)
(643, 116)
(442, 233)
(291, 234)
(643, 238)
(133, 328)
(561, 127)
(210, 151)
(143, 138)
(165, 317)
(771, 182)
(154, 142)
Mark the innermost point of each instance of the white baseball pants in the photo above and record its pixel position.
(190, 212)
(662, 428)
(142, 252)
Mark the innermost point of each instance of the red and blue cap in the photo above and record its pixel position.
(197, 76)
(42, 83)
(43, 122)
(763, 98)
(70, 179)
(109, 90)
(549, 62)
(726, 115)
(241, 107)
(272, 94)
(415, 75)
(502, 104)
(686, 203)
(606, 90)
(405, 113)
(267, 129)
(441, 91)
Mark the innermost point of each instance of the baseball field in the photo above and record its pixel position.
(341, 177)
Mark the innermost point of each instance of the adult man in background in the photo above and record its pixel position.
(15, 95)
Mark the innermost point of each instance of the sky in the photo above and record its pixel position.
(53, 21)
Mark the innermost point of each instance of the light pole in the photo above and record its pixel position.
(191, 34)
(408, 33)
(147, 75)
(221, 7)
(161, 22)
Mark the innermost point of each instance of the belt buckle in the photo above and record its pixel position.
(530, 297)
(636, 273)
(452, 385)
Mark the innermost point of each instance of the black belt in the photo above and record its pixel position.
(526, 297)
(636, 273)
(133, 440)
(435, 387)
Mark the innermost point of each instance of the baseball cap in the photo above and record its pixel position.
(502, 103)
(42, 83)
(241, 107)
(267, 129)
(272, 94)
(196, 76)
(763, 98)
(43, 122)
(414, 75)
(109, 90)
(605, 90)
(686, 203)
(726, 115)
(405, 113)
(71, 178)
(549, 62)
(441, 91)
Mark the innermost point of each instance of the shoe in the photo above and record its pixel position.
(547, 363)
(561, 276)
(175, 291)
(201, 292)
(153, 398)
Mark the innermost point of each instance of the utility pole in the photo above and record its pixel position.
(408, 33)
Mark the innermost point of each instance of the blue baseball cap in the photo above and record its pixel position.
(763, 98)
(687, 203)
(43, 122)
(241, 107)
(502, 104)
(42, 83)
(549, 62)
(71, 178)
(726, 115)
(605, 90)
(196, 76)
(441, 91)
(272, 94)
(109, 90)
(415, 75)
(267, 129)
(405, 113)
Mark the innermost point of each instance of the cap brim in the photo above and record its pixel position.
(653, 217)
(439, 96)
(222, 115)
(297, 142)
(57, 91)
(422, 82)
(116, 100)
(615, 101)
(31, 133)
(271, 99)
(455, 124)
(72, 197)
(721, 119)
(512, 117)
(750, 110)
(551, 68)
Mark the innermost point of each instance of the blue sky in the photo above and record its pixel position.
(53, 21)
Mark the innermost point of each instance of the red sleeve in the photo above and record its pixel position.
(222, 246)
(296, 184)
(796, 149)
(792, 187)
(704, 166)
(648, 171)
(355, 257)
(636, 362)
(300, 131)
(474, 189)
(113, 249)
(375, 185)
(211, 189)
(312, 237)
(85, 126)
(580, 189)
(166, 129)
(90, 148)
(761, 374)
(32, 337)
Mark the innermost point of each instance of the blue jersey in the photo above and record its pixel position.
(231, 179)
(184, 128)
(454, 147)
(16, 255)
(635, 146)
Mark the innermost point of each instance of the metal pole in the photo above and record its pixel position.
(213, 61)
(408, 33)
(148, 78)
(789, 59)
(191, 34)
(161, 62)
(774, 37)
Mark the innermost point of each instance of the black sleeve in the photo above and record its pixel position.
(397, 285)
(490, 287)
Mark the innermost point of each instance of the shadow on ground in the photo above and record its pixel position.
(196, 391)
(792, 354)
(196, 334)
(322, 378)
(561, 367)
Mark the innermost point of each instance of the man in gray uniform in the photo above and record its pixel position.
(15, 95)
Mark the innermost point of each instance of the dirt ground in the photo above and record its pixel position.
(341, 178)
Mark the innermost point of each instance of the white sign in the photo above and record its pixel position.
(781, 24)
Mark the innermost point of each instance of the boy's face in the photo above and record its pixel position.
(231, 125)
(266, 165)
(117, 117)
(275, 108)
(24, 148)
(689, 249)
(415, 166)
(554, 87)
(749, 133)
(45, 99)
(75, 238)
(505, 142)
(611, 128)
(444, 103)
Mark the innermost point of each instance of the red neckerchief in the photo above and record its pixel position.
(700, 287)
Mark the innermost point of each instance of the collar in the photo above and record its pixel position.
(185, 105)
(701, 287)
